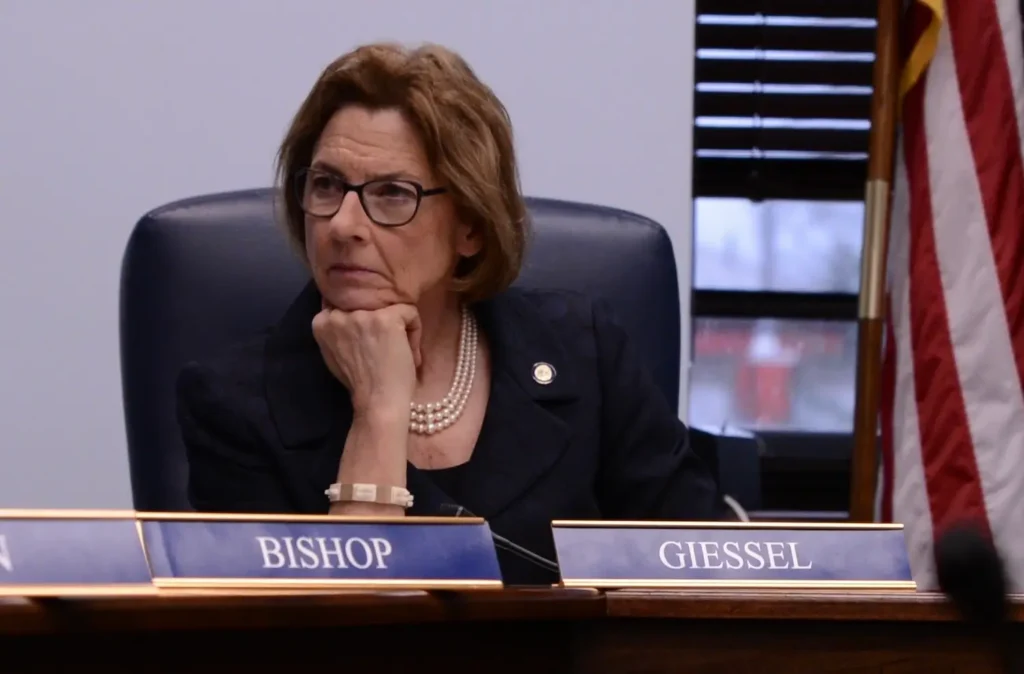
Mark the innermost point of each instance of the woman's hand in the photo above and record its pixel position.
(375, 354)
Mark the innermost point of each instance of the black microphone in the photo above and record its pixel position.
(505, 544)
(972, 575)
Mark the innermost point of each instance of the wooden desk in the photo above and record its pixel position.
(524, 631)
(785, 632)
(353, 633)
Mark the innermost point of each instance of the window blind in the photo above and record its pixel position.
(782, 100)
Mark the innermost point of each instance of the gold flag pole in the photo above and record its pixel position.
(871, 308)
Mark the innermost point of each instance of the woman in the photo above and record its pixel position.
(407, 378)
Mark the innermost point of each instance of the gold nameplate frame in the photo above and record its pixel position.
(763, 555)
(72, 553)
(257, 552)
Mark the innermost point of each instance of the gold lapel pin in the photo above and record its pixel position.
(543, 373)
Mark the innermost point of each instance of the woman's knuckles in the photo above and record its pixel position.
(362, 326)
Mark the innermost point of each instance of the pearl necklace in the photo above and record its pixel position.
(430, 418)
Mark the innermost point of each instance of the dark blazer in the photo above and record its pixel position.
(265, 424)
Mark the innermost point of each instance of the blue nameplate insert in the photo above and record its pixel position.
(727, 554)
(318, 552)
(52, 553)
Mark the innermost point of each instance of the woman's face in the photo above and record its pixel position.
(356, 263)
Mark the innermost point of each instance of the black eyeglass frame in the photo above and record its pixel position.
(300, 192)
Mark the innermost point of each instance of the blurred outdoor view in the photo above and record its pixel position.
(768, 374)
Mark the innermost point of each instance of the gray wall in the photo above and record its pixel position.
(111, 107)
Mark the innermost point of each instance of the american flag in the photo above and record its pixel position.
(952, 400)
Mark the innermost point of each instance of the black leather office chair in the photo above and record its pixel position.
(203, 273)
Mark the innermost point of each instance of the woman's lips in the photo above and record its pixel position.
(351, 271)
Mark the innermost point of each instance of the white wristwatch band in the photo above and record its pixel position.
(369, 493)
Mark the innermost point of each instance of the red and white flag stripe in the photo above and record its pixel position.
(953, 382)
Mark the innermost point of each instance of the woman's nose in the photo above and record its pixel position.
(350, 221)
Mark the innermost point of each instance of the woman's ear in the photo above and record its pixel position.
(468, 241)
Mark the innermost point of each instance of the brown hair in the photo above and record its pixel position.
(463, 126)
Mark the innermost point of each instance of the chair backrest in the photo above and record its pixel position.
(203, 273)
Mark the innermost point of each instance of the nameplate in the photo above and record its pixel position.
(732, 555)
(53, 553)
(197, 551)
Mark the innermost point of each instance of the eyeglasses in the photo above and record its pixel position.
(388, 203)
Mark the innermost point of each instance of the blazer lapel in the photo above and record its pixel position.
(312, 412)
(309, 407)
(526, 429)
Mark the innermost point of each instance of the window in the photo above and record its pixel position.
(770, 374)
(791, 270)
(781, 123)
